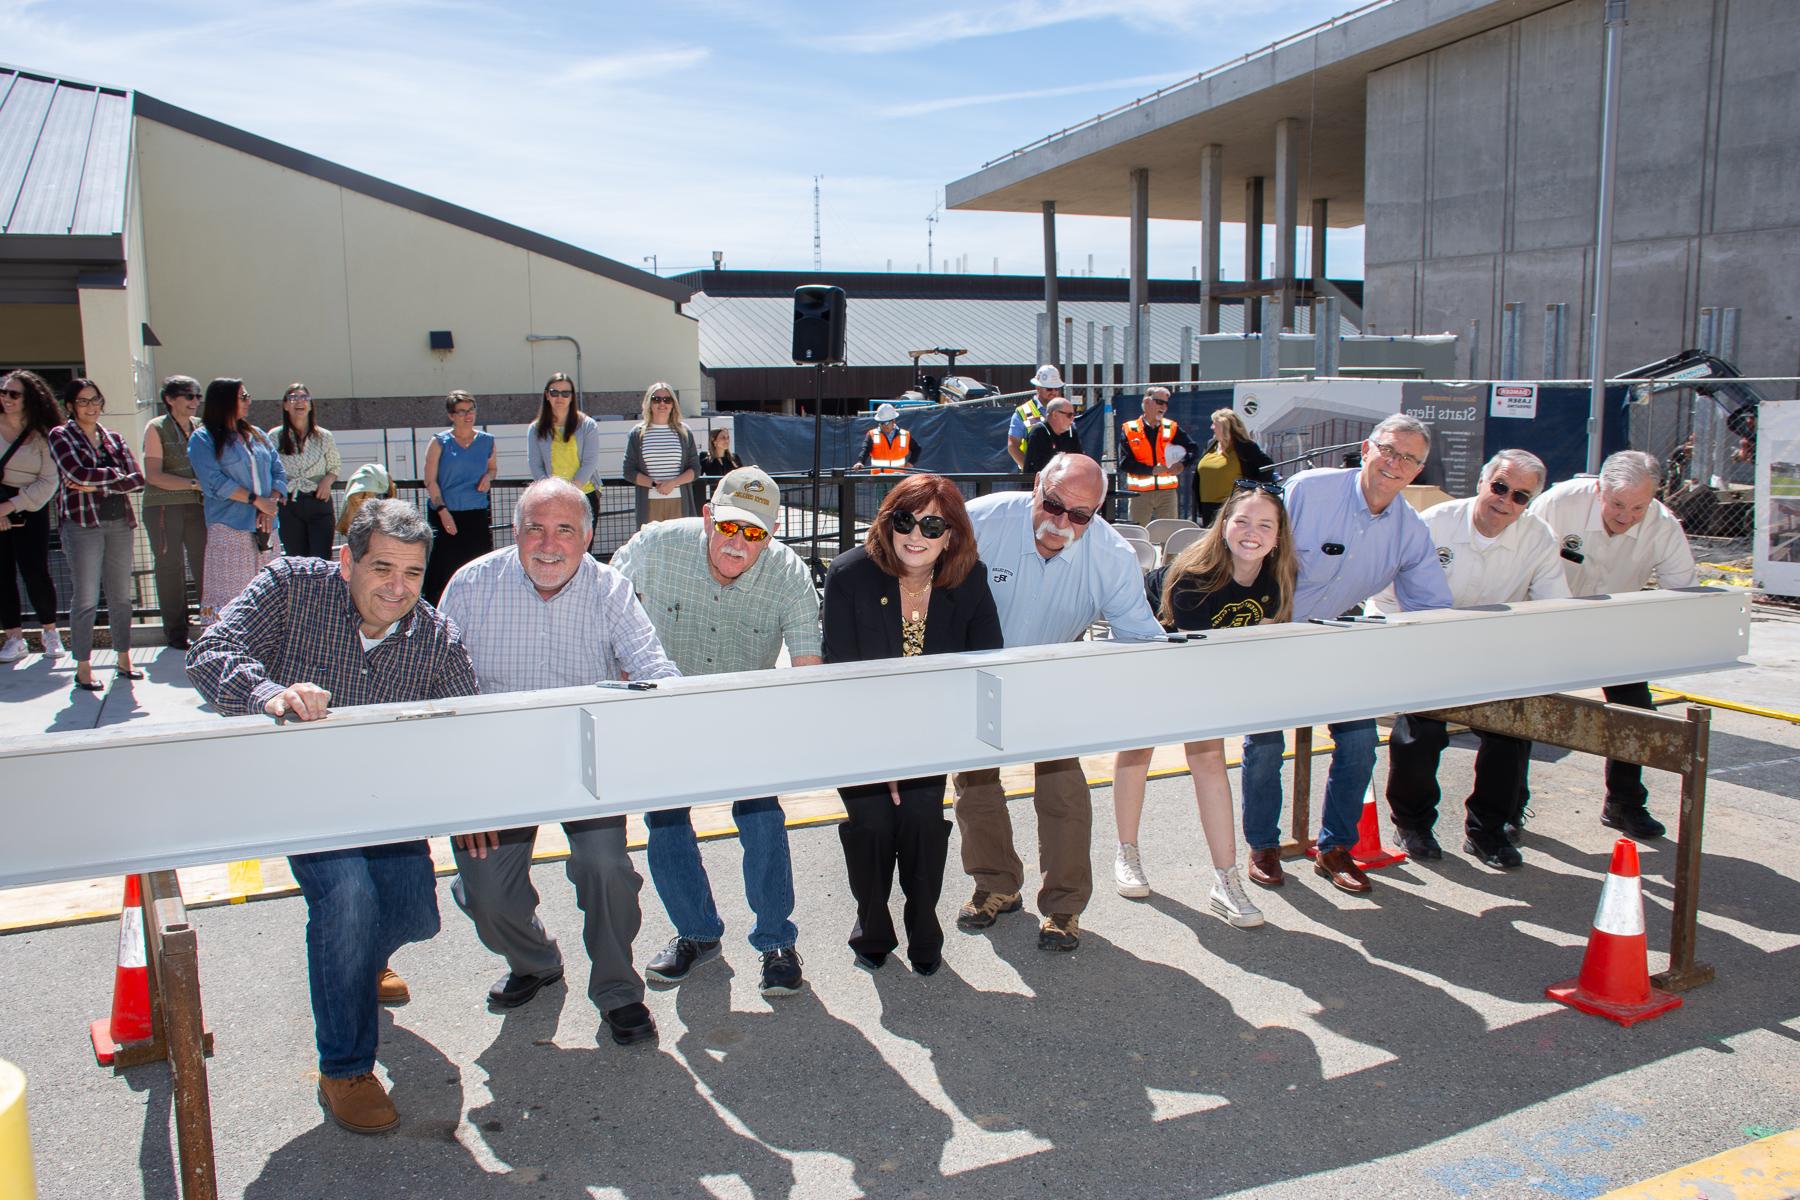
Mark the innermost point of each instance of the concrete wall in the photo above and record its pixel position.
(1483, 170)
(273, 275)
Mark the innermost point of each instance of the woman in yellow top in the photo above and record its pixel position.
(565, 442)
(1229, 457)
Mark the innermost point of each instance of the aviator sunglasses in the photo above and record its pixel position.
(752, 533)
(933, 527)
(1499, 488)
(1056, 508)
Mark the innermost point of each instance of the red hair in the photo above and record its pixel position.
(915, 494)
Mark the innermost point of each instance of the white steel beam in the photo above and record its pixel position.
(120, 799)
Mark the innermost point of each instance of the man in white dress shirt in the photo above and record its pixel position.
(1493, 552)
(1614, 535)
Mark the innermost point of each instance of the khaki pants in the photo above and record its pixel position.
(1149, 506)
(1065, 815)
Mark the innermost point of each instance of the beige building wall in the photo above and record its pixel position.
(271, 274)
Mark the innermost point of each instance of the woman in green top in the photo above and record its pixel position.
(1229, 457)
(174, 516)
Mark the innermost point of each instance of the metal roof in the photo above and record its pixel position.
(758, 331)
(64, 151)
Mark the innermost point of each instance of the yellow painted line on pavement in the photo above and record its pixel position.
(1765, 1170)
(1774, 714)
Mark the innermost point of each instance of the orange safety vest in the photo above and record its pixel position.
(887, 456)
(1145, 452)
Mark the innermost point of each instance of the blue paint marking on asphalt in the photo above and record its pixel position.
(1537, 1160)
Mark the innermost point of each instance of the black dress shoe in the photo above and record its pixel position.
(871, 962)
(177, 643)
(630, 1024)
(1513, 832)
(514, 990)
(930, 968)
(1632, 822)
(1500, 855)
(1419, 844)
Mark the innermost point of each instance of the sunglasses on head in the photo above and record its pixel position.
(752, 533)
(932, 526)
(1056, 508)
(1257, 485)
(1499, 488)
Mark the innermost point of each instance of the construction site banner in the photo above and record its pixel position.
(1778, 497)
(1456, 413)
(951, 440)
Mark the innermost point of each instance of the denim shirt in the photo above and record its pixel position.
(221, 475)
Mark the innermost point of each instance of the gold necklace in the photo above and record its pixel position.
(924, 591)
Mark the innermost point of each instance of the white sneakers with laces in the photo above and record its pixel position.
(13, 650)
(52, 642)
(1128, 873)
(1230, 900)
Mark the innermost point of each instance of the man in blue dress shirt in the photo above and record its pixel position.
(1355, 536)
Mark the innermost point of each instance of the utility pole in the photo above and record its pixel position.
(651, 259)
(931, 220)
(818, 261)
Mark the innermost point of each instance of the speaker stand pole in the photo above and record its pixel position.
(818, 564)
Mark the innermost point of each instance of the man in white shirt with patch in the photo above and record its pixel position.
(1493, 552)
(1614, 535)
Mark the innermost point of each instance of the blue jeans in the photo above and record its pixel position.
(361, 906)
(1352, 766)
(681, 881)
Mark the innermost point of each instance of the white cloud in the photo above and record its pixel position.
(920, 108)
(1021, 16)
(621, 68)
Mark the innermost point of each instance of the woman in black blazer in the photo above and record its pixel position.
(913, 587)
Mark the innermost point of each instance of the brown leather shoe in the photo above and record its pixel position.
(1337, 866)
(359, 1103)
(984, 908)
(390, 988)
(1265, 868)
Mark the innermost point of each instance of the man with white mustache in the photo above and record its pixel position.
(1054, 568)
(539, 614)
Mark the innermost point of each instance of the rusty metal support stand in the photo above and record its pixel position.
(1651, 739)
(1300, 838)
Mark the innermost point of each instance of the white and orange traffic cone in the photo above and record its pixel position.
(1368, 852)
(130, 1019)
(1615, 973)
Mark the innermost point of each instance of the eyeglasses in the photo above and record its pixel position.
(1388, 451)
(1257, 485)
(302, 397)
(931, 525)
(1056, 508)
(751, 533)
(1499, 488)
(463, 412)
(561, 393)
(89, 402)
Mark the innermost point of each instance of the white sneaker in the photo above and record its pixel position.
(1128, 873)
(14, 649)
(1230, 901)
(52, 641)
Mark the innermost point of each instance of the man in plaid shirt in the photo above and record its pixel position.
(305, 635)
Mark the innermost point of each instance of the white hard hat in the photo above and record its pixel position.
(887, 412)
(1047, 377)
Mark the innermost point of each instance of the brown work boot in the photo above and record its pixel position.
(359, 1103)
(984, 908)
(1265, 868)
(1060, 931)
(390, 988)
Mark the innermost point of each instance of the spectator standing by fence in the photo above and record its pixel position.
(459, 469)
(310, 457)
(95, 521)
(174, 508)
(1230, 456)
(243, 481)
(565, 442)
(28, 480)
(719, 461)
(660, 458)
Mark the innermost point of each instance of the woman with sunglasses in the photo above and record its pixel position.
(310, 457)
(460, 466)
(1240, 573)
(1229, 457)
(565, 442)
(660, 459)
(95, 521)
(913, 587)
(27, 482)
(174, 508)
(242, 484)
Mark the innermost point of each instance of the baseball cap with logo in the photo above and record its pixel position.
(747, 494)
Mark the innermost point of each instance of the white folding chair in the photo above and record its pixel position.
(1159, 530)
(1146, 553)
(1181, 539)
(1127, 530)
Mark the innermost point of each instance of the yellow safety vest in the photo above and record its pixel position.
(1032, 415)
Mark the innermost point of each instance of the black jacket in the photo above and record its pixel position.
(861, 612)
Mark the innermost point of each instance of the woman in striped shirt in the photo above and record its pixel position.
(660, 458)
(310, 457)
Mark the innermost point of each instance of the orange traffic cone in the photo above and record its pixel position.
(130, 1020)
(1615, 974)
(1368, 852)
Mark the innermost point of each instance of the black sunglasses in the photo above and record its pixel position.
(1499, 488)
(1080, 516)
(932, 526)
(1257, 485)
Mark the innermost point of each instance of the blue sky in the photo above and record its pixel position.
(679, 127)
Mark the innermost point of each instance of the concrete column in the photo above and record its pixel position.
(111, 349)
(1212, 181)
(1318, 241)
(1253, 222)
(1050, 306)
(1287, 211)
(1140, 270)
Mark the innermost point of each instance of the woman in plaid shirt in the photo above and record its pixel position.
(96, 522)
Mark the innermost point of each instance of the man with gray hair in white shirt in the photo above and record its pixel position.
(539, 614)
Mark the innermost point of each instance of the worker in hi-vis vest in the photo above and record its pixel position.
(888, 449)
(1049, 384)
(1152, 453)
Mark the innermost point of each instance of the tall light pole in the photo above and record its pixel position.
(1603, 227)
(651, 259)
